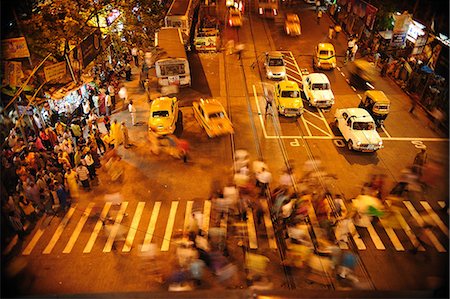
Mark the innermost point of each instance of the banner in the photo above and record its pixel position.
(371, 12)
(90, 48)
(15, 48)
(55, 71)
(400, 30)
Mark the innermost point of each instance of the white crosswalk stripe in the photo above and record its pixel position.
(115, 228)
(133, 227)
(59, 231)
(97, 228)
(78, 229)
(435, 217)
(169, 228)
(151, 227)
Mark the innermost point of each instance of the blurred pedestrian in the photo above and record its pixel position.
(330, 32)
(71, 183)
(376, 57)
(337, 29)
(183, 147)
(319, 16)
(116, 133)
(123, 94)
(353, 52)
(128, 72)
(263, 179)
(108, 103)
(317, 5)
(83, 175)
(135, 53)
(419, 161)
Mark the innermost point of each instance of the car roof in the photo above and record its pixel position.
(275, 54)
(289, 85)
(359, 114)
(318, 78)
(378, 96)
(292, 17)
(325, 46)
(163, 103)
(212, 105)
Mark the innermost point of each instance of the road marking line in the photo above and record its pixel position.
(188, 215)
(169, 227)
(420, 221)
(343, 74)
(353, 88)
(293, 78)
(268, 223)
(313, 114)
(206, 216)
(306, 126)
(338, 68)
(289, 62)
(151, 227)
(386, 132)
(339, 137)
(318, 128)
(259, 112)
(59, 231)
(97, 228)
(296, 65)
(393, 237)
(115, 228)
(289, 69)
(78, 228)
(326, 123)
(359, 96)
(441, 203)
(356, 237)
(373, 235)
(133, 227)
(36, 236)
(435, 217)
(253, 242)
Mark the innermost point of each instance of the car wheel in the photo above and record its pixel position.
(350, 145)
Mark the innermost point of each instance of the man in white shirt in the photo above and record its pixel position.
(263, 179)
(134, 53)
(108, 103)
(132, 111)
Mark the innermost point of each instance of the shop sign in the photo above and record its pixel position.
(371, 12)
(55, 71)
(13, 72)
(414, 31)
(15, 48)
(90, 48)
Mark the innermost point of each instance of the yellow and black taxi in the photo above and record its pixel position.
(324, 57)
(377, 104)
(288, 98)
(292, 25)
(163, 115)
(211, 115)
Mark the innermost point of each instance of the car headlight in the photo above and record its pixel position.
(283, 73)
(333, 64)
(380, 143)
(318, 63)
(269, 73)
(358, 143)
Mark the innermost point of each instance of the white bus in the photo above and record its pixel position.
(267, 8)
(172, 66)
(181, 15)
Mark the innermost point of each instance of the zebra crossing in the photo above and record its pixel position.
(82, 228)
(403, 237)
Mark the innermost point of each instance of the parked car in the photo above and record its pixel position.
(234, 17)
(163, 115)
(324, 57)
(358, 129)
(211, 115)
(288, 98)
(292, 25)
(317, 90)
(274, 65)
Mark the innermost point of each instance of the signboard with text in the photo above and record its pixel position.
(55, 71)
(400, 30)
(15, 48)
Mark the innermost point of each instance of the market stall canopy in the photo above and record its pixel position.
(63, 91)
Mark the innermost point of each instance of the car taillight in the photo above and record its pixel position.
(260, 11)
(230, 22)
(275, 12)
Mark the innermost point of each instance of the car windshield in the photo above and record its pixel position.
(161, 113)
(290, 94)
(382, 107)
(217, 115)
(326, 53)
(235, 14)
(360, 125)
(276, 62)
(320, 86)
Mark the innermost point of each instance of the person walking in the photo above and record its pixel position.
(62, 195)
(83, 175)
(419, 162)
(135, 53)
(263, 179)
(116, 133)
(337, 29)
(376, 58)
(183, 147)
(132, 111)
(319, 16)
(108, 103)
(112, 94)
(123, 94)
(317, 6)
(128, 72)
(330, 32)
(354, 50)
(126, 137)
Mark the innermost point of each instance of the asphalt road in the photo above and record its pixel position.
(163, 188)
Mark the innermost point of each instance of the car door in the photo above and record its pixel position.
(307, 88)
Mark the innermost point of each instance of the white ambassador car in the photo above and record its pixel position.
(317, 90)
(358, 129)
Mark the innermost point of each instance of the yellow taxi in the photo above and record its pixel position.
(292, 25)
(163, 115)
(288, 98)
(211, 115)
(324, 57)
(234, 17)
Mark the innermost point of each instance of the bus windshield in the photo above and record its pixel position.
(172, 69)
